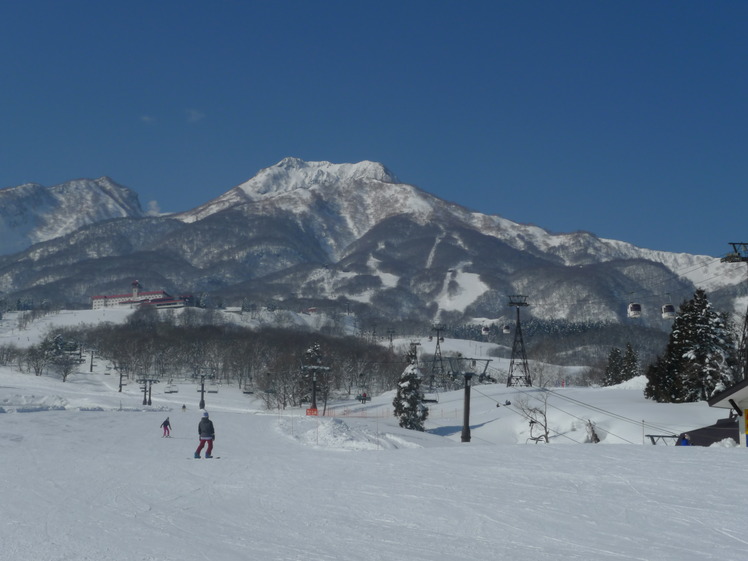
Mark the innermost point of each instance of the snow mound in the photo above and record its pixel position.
(32, 403)
(345, 434)
(636, 383)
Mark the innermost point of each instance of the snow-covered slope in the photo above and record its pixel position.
(88, 476)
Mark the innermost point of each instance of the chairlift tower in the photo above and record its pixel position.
(519, 371)
(437, 363)
(467, 368)
(390, 336)
(739, 254)
(145, 385)
(412, 356)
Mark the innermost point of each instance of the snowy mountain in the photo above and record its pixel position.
(351, 237)
(32, 213)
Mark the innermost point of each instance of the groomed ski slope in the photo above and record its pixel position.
(96, 481)
(86, 476)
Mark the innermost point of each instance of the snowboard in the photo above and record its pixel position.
(211, 458)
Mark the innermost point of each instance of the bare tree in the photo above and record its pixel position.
(64, 364)
(37, 359)
(536, 413)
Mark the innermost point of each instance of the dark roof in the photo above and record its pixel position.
(738, 392)
(706, 436)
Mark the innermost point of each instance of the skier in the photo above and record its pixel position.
(167, 428)
(207, 435)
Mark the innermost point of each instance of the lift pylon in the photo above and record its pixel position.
(437, 363)
(519, 370)
(739, 254)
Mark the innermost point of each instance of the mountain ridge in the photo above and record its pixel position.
(323, 234)
(32, 213)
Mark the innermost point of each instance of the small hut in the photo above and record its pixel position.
(735, 398)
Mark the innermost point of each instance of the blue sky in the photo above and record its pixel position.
(625, 119)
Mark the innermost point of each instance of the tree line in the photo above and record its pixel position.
(701, 356)
(268, 361)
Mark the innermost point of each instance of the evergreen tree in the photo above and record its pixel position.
(621, 366)
(710, 360)
(663, 383)
(630, 364)
(408, 401)
(614, 369)
(699, 357)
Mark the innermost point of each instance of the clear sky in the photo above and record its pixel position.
(625, 119)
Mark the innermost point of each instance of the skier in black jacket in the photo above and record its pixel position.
(207, 435)
(166, 425)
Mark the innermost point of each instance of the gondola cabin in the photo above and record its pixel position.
(634, 310)
(668, 311)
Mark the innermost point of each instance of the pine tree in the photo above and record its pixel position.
(711, 358)
(408, 401)
(614, 369)
(663, 383)
(621, 366)
(699, 357)
(630, 364)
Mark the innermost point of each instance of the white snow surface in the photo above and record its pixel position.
(87, 476)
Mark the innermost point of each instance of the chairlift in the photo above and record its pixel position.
(433, 397)
(171, 388)
(506, 329)
(485, 330)
(212, 387)
(634, 310)
(668, 311)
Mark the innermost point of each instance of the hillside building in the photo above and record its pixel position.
(135, 298)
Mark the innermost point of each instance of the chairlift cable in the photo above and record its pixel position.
(606, 412)
(579, 418)
(523, 414)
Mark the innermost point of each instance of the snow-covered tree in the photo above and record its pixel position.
(408, 402)
(631, 368)
(316, 373)
(699, 358)
(614, 369)
(621, 366)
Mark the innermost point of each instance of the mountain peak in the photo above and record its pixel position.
(362, 170)
(294, 173)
